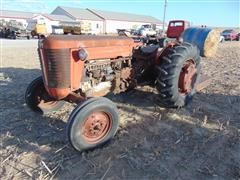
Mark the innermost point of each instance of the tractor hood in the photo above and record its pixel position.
(85, 41)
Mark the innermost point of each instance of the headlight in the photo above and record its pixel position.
(82, 54)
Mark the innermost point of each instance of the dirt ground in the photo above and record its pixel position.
(200, 141)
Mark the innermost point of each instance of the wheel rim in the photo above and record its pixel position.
(187, 78)
(96, 126)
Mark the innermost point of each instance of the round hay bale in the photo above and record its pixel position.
(211, 43)
(204, 38)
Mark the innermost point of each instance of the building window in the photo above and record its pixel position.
(97, 26)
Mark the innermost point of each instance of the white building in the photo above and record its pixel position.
(107, 21)
(95, 21)
(116, 20)
(17, 16)
(51, 20)
(83, 16)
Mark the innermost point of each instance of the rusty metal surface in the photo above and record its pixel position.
(77, 70)
(96, 127)
(124, 80)
(97, 47)
(58, 93)
(56, 71)
(75, 98)
(187, 77)
(71, 41)
(58, 68)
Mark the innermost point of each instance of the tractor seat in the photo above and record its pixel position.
(149, 49)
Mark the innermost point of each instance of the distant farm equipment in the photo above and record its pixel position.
(147, 30)
(12, 30)
(74, 30)
(39, 27)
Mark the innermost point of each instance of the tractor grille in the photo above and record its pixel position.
(57, 64)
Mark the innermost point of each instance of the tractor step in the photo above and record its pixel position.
(203, 83)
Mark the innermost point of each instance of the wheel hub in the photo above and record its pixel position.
(187, 77)
(96, 127)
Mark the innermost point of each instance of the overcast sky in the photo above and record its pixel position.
(224, 13)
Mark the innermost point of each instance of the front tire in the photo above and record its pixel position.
(178, 74)
(38, 100)
(92, 123)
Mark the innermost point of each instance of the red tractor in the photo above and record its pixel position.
(82, 69)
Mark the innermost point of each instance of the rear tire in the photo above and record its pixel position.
(92, 123)
(38, 100)
(178, 74)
